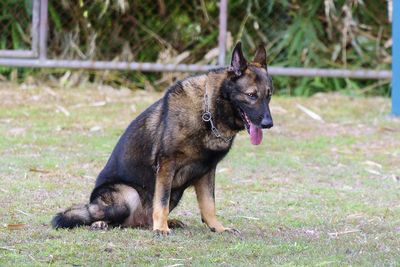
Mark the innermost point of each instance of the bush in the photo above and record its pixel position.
(310, 33)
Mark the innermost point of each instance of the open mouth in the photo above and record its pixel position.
(245, 119)
(254, 131)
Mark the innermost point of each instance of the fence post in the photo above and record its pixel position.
(396, 58)
(43, 28)
(223, 17)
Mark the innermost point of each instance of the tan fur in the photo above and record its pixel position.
(161, 210)
(206, 203)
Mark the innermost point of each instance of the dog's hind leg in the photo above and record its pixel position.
(138, 215)
(122, 207)
(174, 224)
(114, 204)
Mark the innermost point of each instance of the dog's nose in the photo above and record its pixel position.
(267, 123)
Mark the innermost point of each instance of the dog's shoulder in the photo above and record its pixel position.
(193, 87)
(190, 88)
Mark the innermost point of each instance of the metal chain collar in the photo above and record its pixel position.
(207, 117)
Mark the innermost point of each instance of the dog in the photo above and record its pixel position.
(176, 143)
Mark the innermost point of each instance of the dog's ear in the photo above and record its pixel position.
(238, 62)
(261, 56)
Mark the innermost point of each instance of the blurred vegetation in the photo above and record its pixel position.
(299, 33)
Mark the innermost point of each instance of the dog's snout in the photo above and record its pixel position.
(267, 123)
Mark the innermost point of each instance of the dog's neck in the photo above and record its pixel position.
(219, 108)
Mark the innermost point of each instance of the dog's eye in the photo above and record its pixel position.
(252, 95)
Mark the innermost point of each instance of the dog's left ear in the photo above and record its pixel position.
(261, 56)
(238, 62)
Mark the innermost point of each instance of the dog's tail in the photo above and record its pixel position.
(77, 216)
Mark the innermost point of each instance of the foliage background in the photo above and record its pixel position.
(311, 33)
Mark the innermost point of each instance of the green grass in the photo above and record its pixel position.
(313, 193)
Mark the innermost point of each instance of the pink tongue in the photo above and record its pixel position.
(255, 134)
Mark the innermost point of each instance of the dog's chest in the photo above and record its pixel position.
(214, 143)
(187, 174)
(192, 170)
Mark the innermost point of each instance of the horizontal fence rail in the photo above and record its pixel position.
(157, 67)
(37, 56)
(340, 73)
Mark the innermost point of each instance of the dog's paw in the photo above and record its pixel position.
(233, 231)
(99, 225)
(174, 223)
(162, 232)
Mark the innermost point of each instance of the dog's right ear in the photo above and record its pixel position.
(261, 55)
(238, 62)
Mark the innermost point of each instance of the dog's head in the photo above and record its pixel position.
(249, 89)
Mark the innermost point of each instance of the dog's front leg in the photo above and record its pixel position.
(161, 197)
(205, 191)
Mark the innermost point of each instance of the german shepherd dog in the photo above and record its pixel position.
(175, 143)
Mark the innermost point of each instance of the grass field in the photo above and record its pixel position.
(321, 193)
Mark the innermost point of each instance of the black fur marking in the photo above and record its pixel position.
(176, 196)
(165, 197)
(116, 214)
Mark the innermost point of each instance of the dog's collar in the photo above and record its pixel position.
(207, 117)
